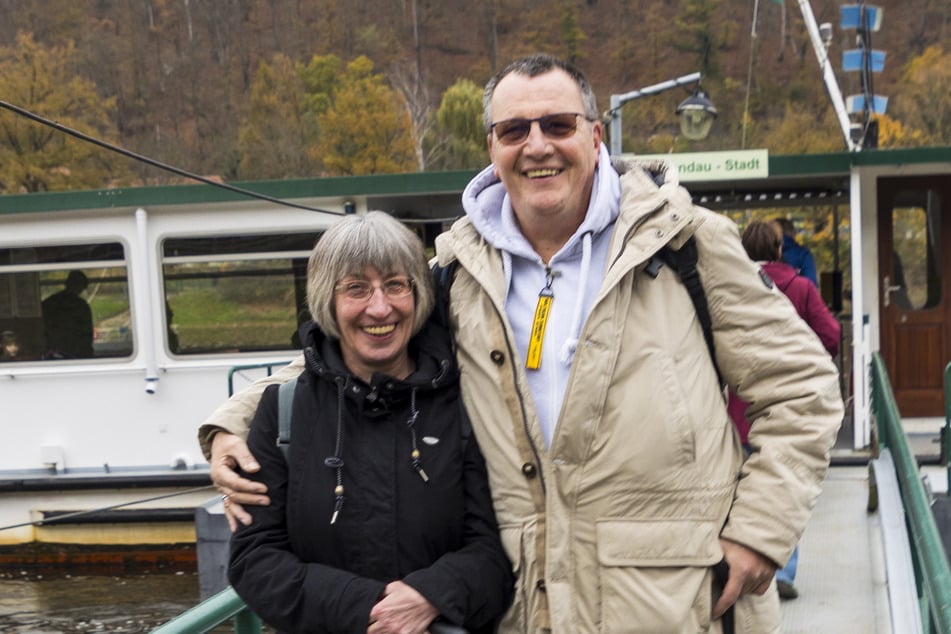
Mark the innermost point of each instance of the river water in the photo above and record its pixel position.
(41, 604)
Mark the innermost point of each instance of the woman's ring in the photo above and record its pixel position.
(224, 498)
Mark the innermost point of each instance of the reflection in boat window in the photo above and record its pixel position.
(64, 302)
(235, 293)
(916, 255)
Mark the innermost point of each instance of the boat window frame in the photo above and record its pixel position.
(26, 322)
(228, 253)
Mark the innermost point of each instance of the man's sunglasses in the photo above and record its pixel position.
(555, 126)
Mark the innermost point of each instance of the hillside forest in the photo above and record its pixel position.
(273, 89)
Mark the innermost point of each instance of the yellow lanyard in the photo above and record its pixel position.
(542, 309)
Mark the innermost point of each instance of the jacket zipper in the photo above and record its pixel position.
(521, 398)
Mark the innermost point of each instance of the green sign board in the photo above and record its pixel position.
(715, 166)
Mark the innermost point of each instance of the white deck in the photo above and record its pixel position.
(841, 577)
(842, 581)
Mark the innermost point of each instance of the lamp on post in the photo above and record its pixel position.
(696, 112)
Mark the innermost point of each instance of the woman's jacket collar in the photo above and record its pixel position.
(430, 349)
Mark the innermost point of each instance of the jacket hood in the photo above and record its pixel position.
(648, 186)
(489, 209)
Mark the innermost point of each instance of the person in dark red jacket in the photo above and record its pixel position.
(763, 242)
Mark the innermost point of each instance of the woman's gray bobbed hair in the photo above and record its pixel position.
(375, 239)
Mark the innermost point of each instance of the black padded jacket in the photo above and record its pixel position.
(301, 573)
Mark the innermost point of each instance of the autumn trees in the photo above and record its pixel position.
(320, 118)
(281, 123)
(924, 106)
(35, 158)
(323, 117)
(255, 89)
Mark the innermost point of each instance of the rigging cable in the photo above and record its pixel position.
(68, 516)
(150, 161)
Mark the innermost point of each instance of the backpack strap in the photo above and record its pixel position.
(285, 407)
(465, 425)
(442, 282)
(683, 261)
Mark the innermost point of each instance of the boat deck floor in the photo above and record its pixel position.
(841, 576)
(841, 579)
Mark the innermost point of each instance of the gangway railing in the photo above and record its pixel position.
(212, 612)
(932, 573)
(946, 432)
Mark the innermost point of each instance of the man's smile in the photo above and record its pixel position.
(542, 173)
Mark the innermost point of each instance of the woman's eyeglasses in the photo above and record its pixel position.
(362, 290)
(556, 126)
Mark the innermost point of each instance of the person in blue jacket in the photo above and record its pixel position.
(796, 255)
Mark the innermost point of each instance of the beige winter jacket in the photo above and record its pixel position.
(615, 527)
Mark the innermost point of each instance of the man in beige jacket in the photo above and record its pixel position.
(620, 487)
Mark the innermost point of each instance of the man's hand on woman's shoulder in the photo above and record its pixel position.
(228, 452)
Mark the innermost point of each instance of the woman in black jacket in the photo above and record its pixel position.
(381, 518)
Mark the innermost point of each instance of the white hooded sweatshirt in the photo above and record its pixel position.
(577, 270)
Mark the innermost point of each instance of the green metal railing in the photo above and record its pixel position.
(238, 369)
(211, 613)
(932, 572)
(946, 433)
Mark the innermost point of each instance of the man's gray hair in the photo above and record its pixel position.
(356, 242)
(533, 66)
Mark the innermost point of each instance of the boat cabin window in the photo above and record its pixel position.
(229, 294)
(60, 303)
(916, 231)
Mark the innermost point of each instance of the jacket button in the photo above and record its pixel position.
(540, 584)
(497, 357)
(528, 470)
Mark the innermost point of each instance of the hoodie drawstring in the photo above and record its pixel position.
(336, 461)
(571, 343)
(411, 423)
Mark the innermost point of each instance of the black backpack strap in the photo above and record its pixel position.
(684, 262)
(465, 425)
(285, 407)
(442, 281)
